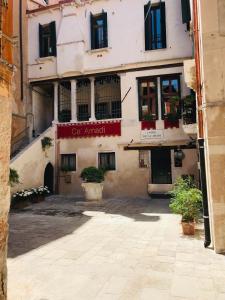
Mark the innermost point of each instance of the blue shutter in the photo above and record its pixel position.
(105, 29)
(41, 50)
(186, 11)
(148, 33)
(163, 23)
(53, 37)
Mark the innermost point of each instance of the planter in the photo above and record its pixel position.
(188, 228)
(92, 190)
(147, 125)
(37, 198)
(171, 123)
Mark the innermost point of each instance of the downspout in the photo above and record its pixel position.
(21, 46)
(201, 141)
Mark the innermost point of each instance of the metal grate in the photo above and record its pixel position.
(83, 100)
(64, 102)
(107, 97)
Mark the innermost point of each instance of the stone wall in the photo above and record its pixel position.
(213, 71)
(5, 136)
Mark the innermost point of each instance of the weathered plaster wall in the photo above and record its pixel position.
(31, 162)
(129, 179)
(6, 72)
(125, 30)
(213, 69)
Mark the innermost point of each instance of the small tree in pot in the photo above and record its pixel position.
(186, 201)
(93, 183)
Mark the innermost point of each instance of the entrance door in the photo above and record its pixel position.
(49, 177)
(161, 166)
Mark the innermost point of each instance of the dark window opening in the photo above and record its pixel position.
(148, 106)
(99, 31)
(64, 102)
(83, 99)
(107, 97)
(171, 97)
(47, 39)
(106, 161)
(155, 26)
(68, 162)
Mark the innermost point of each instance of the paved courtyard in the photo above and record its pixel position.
(121, 249)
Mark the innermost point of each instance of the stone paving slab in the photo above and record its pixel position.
(65, 249)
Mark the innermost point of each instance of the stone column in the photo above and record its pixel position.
(73, 101)
(56, 100)
(92, 80)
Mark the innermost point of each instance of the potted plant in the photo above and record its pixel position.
(13, 177)
(186, 201)
(92, 183)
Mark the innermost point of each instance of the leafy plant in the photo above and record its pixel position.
(149, 117)
(93, 174)
(172, 117)
(46, 142)
(186, 199)
(13, 177)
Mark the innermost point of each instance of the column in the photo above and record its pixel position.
(56, 100)
(92, 80)
(73, 100)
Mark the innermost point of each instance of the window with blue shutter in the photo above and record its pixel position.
(155, 26)
(99, 31)
(47, 39)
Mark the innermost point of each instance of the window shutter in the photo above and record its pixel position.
(186, 11)
(148, 33)
(139, 100)
(53, 37)
(41, 52)
(105, 29)
(92, 31)
(163, 23)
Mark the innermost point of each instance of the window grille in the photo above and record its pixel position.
(106, 161)
(64, 102)
(83, 100)
(107, 97)
(68, 162)
(144, 159)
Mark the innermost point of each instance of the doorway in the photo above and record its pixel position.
(161, 166)
(49, 177)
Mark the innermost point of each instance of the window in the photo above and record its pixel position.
(143, 159)
(155, 26)
(106, 161)
(83, 94)
(148, 108)
(99, 31)
(107, 97)
(47, 39)
(170, 96)
(68, 162)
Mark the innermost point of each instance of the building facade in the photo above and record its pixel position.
(109, 76)
(211, 83)
(6, 73)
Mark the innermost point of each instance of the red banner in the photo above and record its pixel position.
(92, 129)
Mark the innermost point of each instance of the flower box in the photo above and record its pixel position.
(147, 125)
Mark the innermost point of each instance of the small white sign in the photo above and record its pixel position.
(152, 134)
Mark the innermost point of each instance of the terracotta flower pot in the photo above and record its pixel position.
(188, 228)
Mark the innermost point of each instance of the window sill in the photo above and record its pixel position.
(153, 50)
(45, 59)
(93, 51)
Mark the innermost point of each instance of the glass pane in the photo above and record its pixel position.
(174, 84)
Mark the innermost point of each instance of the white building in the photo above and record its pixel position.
(109, 75)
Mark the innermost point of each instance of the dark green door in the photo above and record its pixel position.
(161, 166)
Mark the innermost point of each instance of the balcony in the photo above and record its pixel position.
(89, 99)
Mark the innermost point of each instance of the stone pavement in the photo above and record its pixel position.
(121, 249)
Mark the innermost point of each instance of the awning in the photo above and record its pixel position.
(183, 144)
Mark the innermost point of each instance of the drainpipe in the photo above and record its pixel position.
(201, 141)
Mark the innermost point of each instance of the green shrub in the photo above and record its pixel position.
(46, 143)
(13, 177)
(186, 200)
(92, 174)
